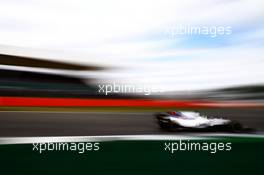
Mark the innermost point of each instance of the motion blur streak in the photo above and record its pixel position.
(71, 102)
(59, 123)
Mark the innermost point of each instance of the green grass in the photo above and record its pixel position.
(135, 157)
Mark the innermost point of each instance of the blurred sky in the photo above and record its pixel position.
(131, 35)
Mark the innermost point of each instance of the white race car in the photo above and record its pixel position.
(189, 120)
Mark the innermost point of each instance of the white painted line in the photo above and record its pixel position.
(29, 140)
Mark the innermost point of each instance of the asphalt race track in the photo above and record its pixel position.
(102, 123)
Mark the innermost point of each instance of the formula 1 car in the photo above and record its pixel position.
(193, 121)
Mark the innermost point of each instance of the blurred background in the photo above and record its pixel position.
(59, 53)
(134, 42)
(58, 58)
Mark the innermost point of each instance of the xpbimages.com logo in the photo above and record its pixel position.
(186, 145)
(212, 31)
(127, 88)
(81, 147)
